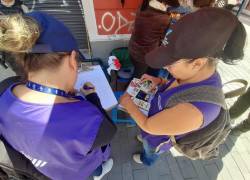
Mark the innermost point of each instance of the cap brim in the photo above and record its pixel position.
(41, 48)
(160, 57)
(46, 48)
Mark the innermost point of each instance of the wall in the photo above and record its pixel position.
(109, 24)
(68, 11)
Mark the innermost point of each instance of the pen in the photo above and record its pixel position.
(85, 87)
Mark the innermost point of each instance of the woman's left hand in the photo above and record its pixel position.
(126, 101)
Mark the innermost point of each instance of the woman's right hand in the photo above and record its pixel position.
(155, 80)
(88, 88)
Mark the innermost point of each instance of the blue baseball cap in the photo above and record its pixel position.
(54, 37)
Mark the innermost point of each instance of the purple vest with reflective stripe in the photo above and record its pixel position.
(57, 138)
(159, 102)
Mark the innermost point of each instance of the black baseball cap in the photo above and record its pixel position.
(203, 33)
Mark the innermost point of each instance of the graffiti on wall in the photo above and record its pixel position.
(116, 17)
(115, 22)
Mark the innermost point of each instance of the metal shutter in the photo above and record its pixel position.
(68, 11)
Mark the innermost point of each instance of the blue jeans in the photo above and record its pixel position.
(149, 156)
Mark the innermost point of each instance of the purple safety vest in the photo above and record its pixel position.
(158, 104)
(57, 138)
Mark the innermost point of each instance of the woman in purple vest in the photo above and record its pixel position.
(196, 43)
(64, 136)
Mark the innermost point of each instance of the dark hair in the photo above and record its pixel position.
(173, 3)
(145, 3)
(234, 48)
(203, 3)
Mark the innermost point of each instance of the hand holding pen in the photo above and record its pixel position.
(88, 88)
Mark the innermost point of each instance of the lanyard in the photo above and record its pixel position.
(49, 90)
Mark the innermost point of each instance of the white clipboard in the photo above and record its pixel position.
(97, 77)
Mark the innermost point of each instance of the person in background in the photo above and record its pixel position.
(151, 28)
(194, 46)
(240, 106)
(65, 136)
(150, 24)
(11, 7)
(186, 7)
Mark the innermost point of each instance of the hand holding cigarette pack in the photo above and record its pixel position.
(142, 94)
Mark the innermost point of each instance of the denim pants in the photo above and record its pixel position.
(149, 156)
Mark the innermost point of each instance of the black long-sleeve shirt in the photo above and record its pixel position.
(107, 129)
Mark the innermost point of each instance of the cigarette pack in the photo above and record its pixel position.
(142, 94)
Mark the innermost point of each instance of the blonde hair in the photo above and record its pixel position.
(17, 33)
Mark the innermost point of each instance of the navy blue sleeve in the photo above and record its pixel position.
(94, 99)
(107, 129)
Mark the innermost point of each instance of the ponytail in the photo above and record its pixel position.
(234, 48)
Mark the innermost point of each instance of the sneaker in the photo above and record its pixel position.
(137, 158)
(106, 168)
(139, 138)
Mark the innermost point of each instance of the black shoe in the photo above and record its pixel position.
(243, 126)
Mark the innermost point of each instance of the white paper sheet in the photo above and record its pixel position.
(103, 89)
